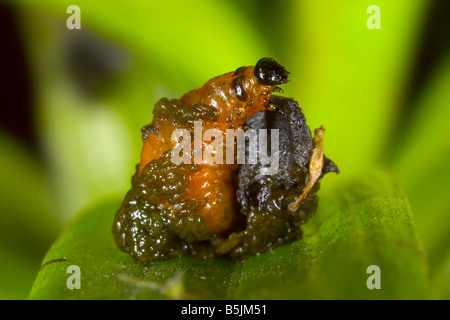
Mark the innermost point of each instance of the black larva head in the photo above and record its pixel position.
(269, 72)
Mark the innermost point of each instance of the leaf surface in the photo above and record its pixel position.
(360, 222)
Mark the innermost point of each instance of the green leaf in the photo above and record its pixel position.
(361, 221)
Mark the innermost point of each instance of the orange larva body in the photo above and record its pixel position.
(236, 96)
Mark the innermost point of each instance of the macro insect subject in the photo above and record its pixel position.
(206, 209)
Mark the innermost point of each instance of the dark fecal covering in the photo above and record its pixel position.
(264, 199)
(154, 222)
(149, 231)
(175, 111)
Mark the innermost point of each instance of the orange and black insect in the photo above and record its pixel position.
(201, 209)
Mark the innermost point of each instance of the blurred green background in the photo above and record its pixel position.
(73, 101)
